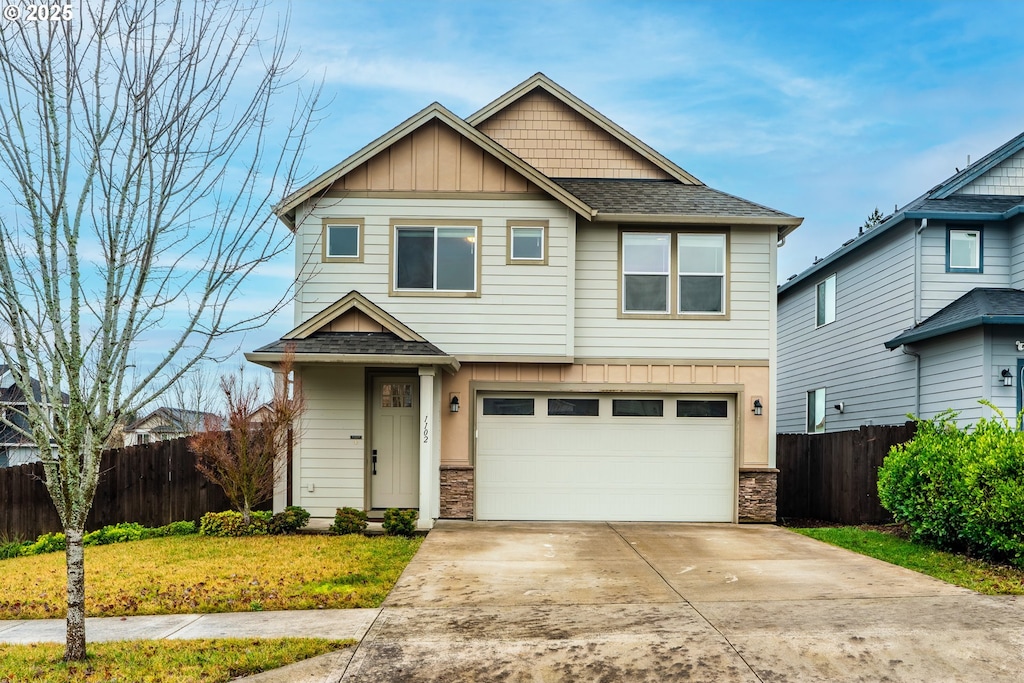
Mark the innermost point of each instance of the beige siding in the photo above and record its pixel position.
(522, 309)
(1006, 178)
(434, 158)
(327, 458)
(600, 333)
(562, 143)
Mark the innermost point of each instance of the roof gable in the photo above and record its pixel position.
(285, 210)
(971, 179)
(354, 313)
(538, 110)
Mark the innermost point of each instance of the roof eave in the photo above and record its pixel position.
(911, 337)
(270, 359)
(693, 219)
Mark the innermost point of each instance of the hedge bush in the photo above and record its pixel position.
(229, 523)
(960, 488)
(349, 521)
(288, 521)
(400, 522)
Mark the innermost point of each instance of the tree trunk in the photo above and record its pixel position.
(75, 557)
(246, 514)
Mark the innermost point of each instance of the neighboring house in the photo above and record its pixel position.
(923, 313)
(15, 447)
(530, 314)
(166, 423)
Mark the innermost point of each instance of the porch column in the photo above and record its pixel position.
(430, 487)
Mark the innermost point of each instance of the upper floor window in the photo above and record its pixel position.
(816, 411)
(826, 301)
(964, 250)
(441, 258)
(527, 242)
(342, 240)
(674, 273)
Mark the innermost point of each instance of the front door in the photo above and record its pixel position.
(394, 453)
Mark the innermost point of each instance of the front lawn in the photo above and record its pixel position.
(978, 575)
(196, 574)
(160, 661)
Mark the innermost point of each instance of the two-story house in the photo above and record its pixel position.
(16, 446)
(166, 423)
(923, 313)
(529, 314)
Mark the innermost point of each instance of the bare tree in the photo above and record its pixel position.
(140, 154)
(238, 451)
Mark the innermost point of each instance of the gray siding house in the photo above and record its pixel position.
(922, 313)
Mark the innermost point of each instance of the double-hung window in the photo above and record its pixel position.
(825, 301)
(676, 274)
(436, 258)
(964, 250)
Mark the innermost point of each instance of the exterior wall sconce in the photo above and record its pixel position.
(454, 405)
(841, 407)
(1007, 377)
(758, 408)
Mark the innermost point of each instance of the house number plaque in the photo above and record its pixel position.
(426, 428)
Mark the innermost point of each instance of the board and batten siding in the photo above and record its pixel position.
(874, 303)
(600, 333)
(328, 460)
(522, 310)
(952, 375)
(939, 288)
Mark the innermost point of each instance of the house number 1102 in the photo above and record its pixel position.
(426, 428)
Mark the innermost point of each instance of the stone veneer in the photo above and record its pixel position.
(757, 494)
(456, 492)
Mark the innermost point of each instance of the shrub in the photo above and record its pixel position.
(400, 522)
(960, 489)
(348, 521)
(290, 520)
(47, 543)
(11, 549)
(175, 529)
(116, 533)
(229, 523)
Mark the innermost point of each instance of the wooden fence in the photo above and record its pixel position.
(152, 484)
(834, 476)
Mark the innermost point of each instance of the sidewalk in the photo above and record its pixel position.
(327, 623)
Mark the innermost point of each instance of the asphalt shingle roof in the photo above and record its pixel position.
(662, 197)
(980, 306)
(369, 343)
(967, 203)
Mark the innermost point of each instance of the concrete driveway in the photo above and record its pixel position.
(664, 602)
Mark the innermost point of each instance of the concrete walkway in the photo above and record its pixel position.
(630, 602)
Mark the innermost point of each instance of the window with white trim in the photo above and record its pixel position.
(816, 411)
(436, 258)
(645, 272)
(674, 273)
(825, 301)
(527, 242)
(701, 273)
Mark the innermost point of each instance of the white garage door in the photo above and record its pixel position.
(601, 457)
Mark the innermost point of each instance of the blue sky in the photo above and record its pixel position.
(824, 110)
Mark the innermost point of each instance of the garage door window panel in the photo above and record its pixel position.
(638, 407)
(574, 407)
(508, 406)
(702, 408)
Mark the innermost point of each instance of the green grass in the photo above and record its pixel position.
(192, 574)
(978, 575)
(170, 661)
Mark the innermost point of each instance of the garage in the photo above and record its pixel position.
(606, 457)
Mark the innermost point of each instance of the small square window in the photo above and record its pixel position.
(964, 250)
(342, 240)
(625, 407)
(826, 301)
(527, 243)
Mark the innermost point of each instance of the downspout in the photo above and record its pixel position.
(917, 315)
